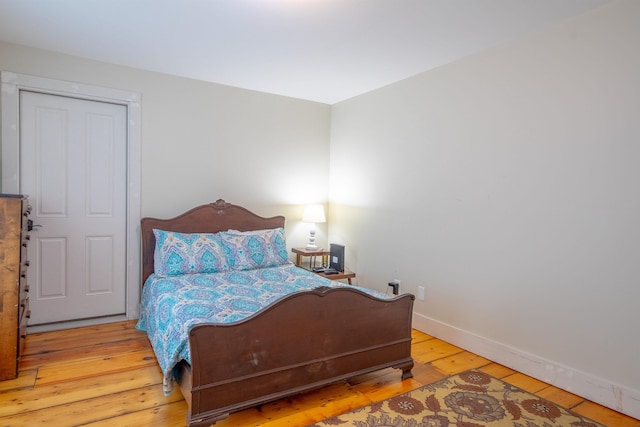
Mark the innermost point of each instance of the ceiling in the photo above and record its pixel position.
(320, 50)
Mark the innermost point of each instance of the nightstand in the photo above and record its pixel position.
(302, 252)
(346, 274)
(313, 254)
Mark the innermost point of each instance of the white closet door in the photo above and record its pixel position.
(73, 162)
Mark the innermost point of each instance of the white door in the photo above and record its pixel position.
(73, 162)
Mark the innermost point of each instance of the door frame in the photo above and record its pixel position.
(12, 84)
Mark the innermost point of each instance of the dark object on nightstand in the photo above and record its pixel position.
(336, 258)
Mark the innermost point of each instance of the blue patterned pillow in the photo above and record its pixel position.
(188, 253)
(247, 250)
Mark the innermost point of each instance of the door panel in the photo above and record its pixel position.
(99, 265)
(73, 167)
(51, 256)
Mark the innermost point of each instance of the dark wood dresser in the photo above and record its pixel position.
(14, 291)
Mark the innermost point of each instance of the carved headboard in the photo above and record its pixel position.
(210, 218)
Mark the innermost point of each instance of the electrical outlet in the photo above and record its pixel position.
(421, 293)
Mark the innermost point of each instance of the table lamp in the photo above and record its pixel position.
(313, 214)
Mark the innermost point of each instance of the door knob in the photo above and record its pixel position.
(31, 225)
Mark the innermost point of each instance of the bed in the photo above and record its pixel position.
(294, 331)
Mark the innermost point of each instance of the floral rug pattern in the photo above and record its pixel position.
(469, 399)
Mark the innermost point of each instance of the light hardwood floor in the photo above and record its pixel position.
(107, 376)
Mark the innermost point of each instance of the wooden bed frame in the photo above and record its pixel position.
(304, 341)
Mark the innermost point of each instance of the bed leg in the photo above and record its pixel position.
(406, 373)
(406, 370)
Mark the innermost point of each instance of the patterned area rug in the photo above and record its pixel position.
(469, 399)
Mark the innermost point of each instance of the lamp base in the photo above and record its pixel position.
(311, 246)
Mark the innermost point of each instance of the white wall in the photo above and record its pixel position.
(202, 141)
(507, 184)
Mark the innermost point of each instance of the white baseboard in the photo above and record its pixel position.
(75, 324)
(595, 389)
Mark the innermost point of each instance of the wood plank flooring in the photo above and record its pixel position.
(108, 376)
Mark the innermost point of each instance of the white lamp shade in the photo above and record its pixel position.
(313, 213)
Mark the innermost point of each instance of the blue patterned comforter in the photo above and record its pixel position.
(172, 305)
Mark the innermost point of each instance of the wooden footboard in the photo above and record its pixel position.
(304, 341)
